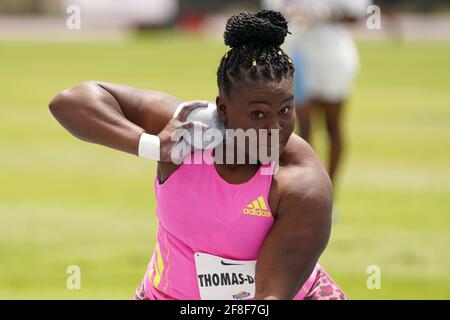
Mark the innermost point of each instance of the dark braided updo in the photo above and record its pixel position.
(255, 40)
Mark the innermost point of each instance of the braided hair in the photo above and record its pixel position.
(255, 40)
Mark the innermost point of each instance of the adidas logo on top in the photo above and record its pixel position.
(258, 208)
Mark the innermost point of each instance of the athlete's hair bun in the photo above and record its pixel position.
(266, 27)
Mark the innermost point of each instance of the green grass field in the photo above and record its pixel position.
(65, 202)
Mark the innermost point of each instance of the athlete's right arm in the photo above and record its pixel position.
(113, 115)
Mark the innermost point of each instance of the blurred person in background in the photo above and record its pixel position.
(326, 62)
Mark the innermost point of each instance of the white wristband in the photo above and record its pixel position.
(149, 147)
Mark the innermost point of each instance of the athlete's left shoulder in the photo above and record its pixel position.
(300, 170)
(301, 181)
(298, 153)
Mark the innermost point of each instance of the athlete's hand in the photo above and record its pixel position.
(172, 132)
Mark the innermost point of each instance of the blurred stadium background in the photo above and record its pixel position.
(64, 202)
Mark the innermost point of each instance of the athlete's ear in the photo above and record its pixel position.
(221, 108)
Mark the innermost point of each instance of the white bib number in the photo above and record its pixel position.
(224, 279)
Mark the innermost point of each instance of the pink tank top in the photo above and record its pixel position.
(198, 211)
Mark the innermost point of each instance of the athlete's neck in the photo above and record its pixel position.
(233, 162)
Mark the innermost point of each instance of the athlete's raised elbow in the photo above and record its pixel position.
(68, 102)
(59, 103)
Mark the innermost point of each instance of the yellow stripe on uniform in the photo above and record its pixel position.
(159, 266)
(168, 262)
(262, 203)
(255, 204)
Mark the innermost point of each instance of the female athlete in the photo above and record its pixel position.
(225, 231)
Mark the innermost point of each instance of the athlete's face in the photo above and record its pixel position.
(260, 105)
